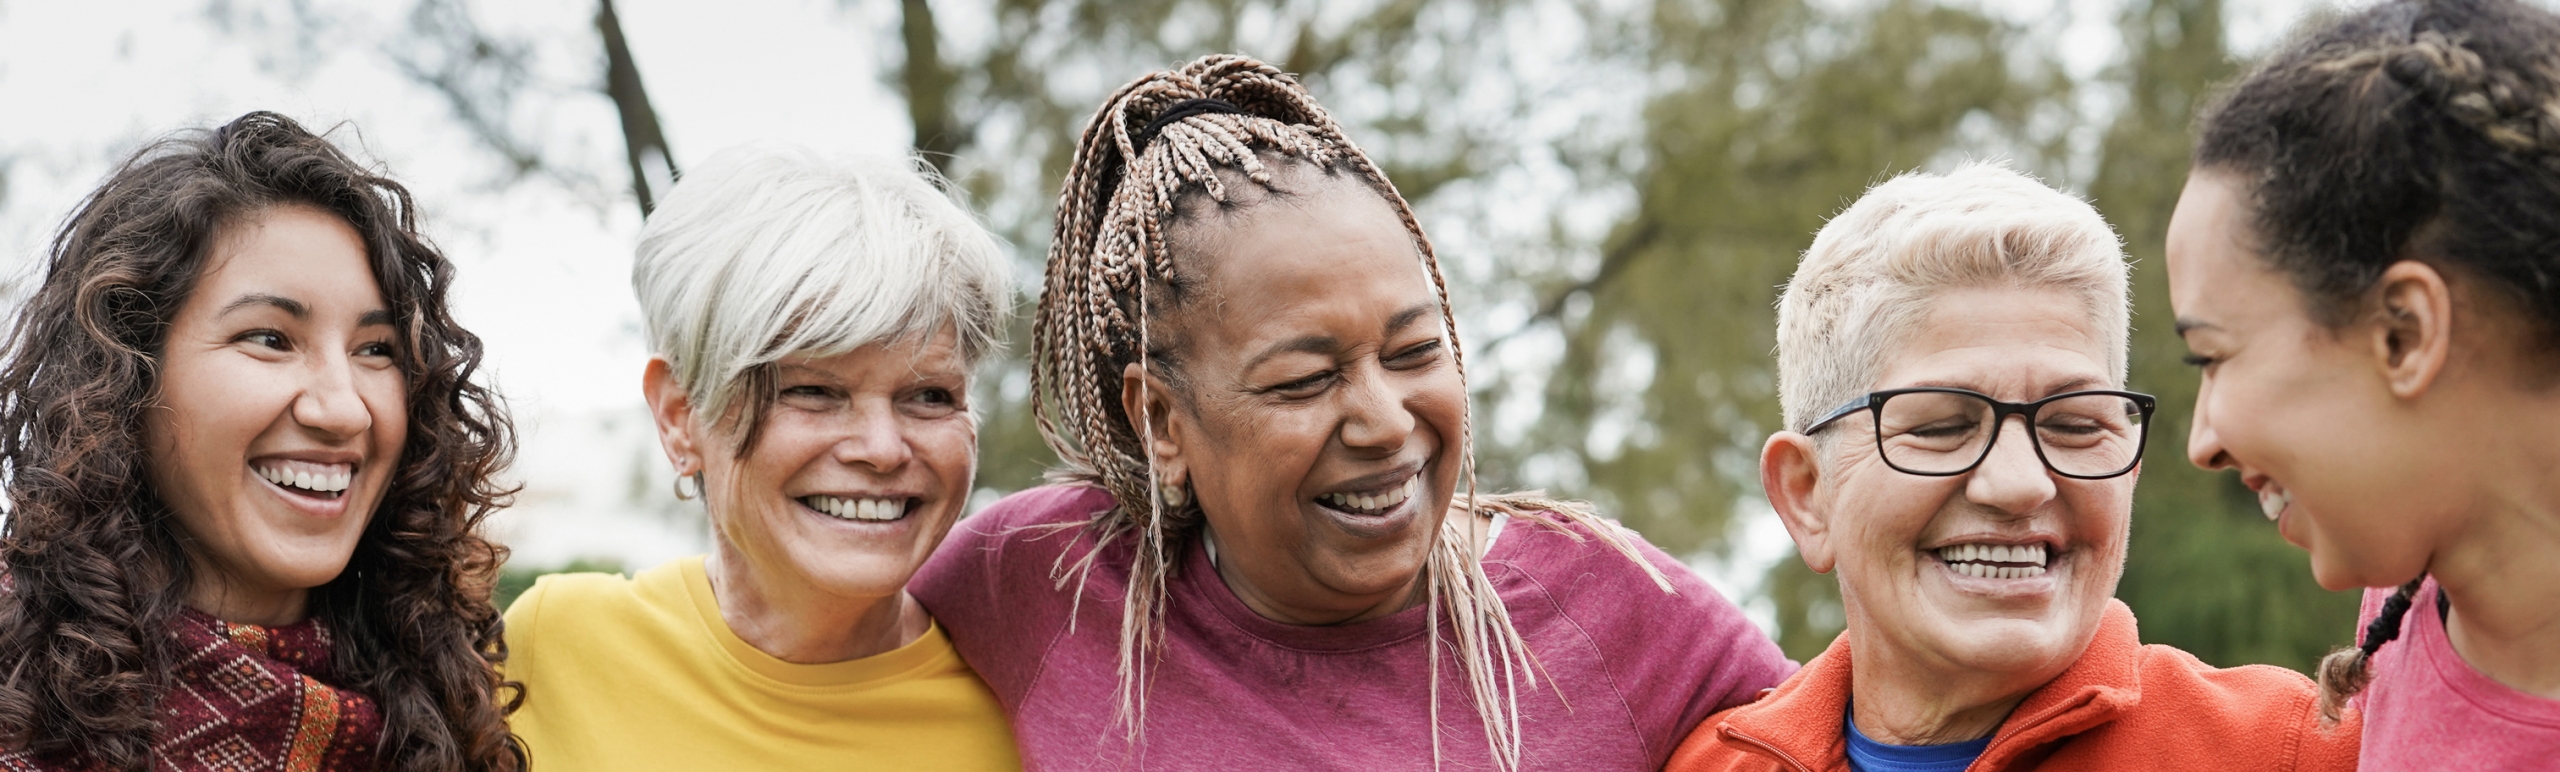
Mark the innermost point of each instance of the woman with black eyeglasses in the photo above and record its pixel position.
(1961, 450)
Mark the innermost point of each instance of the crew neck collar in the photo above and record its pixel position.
(922, 653)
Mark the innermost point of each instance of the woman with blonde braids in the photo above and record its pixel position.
(1260, 552)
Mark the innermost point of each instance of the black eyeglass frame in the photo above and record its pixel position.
(1873, 404)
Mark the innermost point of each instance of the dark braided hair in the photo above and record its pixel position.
(2421, 130)
(2348, 670)
(94, 574)
(1164, 151)
(2415, 130)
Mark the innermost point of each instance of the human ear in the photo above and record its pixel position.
(1145, 399)
(673, 411)
(1791, 473)
(2413, 338)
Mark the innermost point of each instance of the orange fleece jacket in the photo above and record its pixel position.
(2123, 706)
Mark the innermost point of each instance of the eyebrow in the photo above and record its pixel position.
(2185, 324)
(1407, 317)
(2075, 384)
(1325, 344)
(290, 306)
(295, 308)
(1309, 344)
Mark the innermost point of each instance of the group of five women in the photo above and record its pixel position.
(247, 455)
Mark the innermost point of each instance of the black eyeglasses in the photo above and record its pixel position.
(1941, 432)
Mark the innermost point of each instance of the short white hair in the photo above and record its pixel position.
(1873, 270)
(770, 251)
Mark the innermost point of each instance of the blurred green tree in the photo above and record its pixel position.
(2206, 573)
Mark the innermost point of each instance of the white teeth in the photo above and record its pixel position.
(2273, 500)
(858, 509)
(319, 482)
(1978, 559)
(1373, 503)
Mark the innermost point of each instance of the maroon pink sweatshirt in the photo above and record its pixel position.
(1627, 669)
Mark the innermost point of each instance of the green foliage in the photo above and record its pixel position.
(514, 579)
(2206, 572)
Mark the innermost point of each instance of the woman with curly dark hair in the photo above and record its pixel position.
(246, 461)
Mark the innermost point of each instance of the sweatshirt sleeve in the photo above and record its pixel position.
(1675, 657)
(988, 585)
(2330, 748)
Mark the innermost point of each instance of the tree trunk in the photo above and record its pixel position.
(653, 169)
(929, 87)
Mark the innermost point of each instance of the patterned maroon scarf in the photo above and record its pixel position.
(256, 698)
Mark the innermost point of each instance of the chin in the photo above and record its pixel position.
(304, 567)
(2017, 647)
(861, 576)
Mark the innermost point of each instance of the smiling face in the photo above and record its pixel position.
(862, 465)
(1319, 423)
(2297, 408)
(280, 413)
(2002, 572)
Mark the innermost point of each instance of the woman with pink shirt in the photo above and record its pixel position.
(2366, 264)
(1266, 550)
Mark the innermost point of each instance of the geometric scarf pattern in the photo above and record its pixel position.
(255, 699)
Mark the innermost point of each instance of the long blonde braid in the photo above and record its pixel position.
(1110, 262)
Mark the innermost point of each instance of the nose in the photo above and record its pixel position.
(874, 438)
(1374, 416)
(2012, 479)
(329, 402)
(2204, 445)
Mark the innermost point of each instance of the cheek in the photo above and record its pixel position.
(949, 449)
(191, 432)
(1260, 450)
(1889, 512)
(1440, 403)
(2101, 513)
(788, 445)
(388, 400)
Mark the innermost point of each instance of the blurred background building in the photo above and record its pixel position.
(1617, 186)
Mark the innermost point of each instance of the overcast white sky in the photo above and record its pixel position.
(544, 268)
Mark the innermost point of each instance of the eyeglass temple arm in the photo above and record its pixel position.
(1843, 411)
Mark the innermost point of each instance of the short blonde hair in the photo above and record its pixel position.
(1873, 269)
(770, 251)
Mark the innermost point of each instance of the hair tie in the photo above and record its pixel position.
(1180, 110)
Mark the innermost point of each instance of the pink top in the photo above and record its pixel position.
(2427, 709)
(1637, 667)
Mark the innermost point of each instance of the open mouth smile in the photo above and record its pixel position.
(1372, 503)
(1996, 561)
(868, 510)
(2273, 500)
(304, 479)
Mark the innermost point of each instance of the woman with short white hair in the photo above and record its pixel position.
(814, 325)
(1978, 557)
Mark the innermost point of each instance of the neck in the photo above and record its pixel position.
(797, 623)
(2499, 572)
(221, 594)
(1902, 699)
(1351, 609)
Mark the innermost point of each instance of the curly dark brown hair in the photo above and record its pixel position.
(94, 571)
